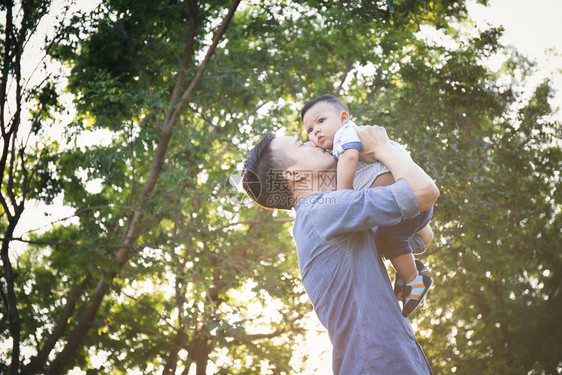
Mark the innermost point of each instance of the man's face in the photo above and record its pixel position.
(321, 122)
(308, 157)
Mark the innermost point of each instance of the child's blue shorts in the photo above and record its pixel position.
(394, 240)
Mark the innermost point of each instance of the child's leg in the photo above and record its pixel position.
(426, 234)
(405, 266)
(393, 242)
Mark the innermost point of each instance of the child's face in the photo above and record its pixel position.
(321, 122)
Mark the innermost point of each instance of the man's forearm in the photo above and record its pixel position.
(401, 167)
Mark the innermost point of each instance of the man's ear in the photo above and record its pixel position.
(344, 116)
(292, 175)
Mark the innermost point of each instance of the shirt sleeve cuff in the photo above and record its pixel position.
(405, 199)
(349, 145)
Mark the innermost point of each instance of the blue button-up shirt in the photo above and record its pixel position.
(347, 282)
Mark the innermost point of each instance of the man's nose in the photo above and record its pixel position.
(309, 144)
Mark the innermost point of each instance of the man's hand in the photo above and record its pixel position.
(376, 137)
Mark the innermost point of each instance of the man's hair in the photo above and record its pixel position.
(324, 98)
(262, 177)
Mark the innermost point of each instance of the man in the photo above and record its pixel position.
(342, 273)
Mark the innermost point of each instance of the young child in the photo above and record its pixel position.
(326, 120)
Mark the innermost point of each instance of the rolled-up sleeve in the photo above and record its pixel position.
(405, 198)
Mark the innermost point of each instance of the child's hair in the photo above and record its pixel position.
(324, 98)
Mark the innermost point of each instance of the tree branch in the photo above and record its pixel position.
(187, 52)
(8, 40)
(277, 332)
(174, 115)
(135, 53)
(55, 243)
(37, 363)
(345, 74)
(10, 184)
(257, 221)
(77, 335)
(149, 307)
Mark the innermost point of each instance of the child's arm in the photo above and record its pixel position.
(347, 166)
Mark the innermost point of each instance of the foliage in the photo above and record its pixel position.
(22, 160)
(495, 259)
(167, 268)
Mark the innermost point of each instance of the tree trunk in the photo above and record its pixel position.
(37, 363)
(11, 302)
(87, 319)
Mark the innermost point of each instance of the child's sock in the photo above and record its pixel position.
(399, 282)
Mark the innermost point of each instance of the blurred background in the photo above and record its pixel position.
(128, 246)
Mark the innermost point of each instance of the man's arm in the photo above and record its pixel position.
(401, 167)
(345, 211)
(347, 166)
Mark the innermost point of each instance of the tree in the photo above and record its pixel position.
(495, 257)
(22, 160)
(166, 268)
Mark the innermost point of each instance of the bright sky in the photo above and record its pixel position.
(532, 27)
